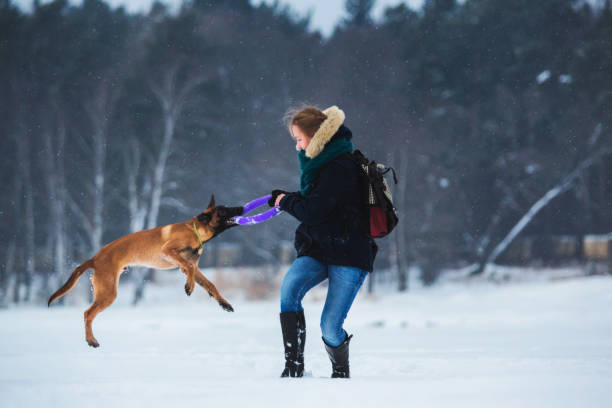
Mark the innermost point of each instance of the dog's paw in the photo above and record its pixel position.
(188, 289)
(93, 343)
(226, 306)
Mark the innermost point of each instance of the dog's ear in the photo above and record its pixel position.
(212, 201)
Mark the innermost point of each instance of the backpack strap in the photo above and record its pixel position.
(386, 170)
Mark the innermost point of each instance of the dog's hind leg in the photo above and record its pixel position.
(212, 290)
(105, 292)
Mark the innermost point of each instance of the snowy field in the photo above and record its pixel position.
(528, 344)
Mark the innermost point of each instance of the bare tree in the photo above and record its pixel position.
(10, 277)
(172, 94)
(138, 193)
(54, 137)
(6, 277)
(172, 89)
(399, 238)
(24, 173)
(98, 108)
(565, 184)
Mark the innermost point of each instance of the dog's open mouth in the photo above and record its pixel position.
(233, 212)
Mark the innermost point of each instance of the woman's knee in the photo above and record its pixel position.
(301, 276)
(289, 291)
(289, 299)
(332, 332)
(290, 304)
(292, 285)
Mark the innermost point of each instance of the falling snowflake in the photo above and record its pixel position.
(543, 77)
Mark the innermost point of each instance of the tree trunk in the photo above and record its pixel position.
(54, 177)
(160, 169)
(23, 154)
(6, 273)
(137, 197)
(400, 234)
(30, 250)
(99, 156)
(14, 274)
(554, 192)
(394, 259)
(99, 108)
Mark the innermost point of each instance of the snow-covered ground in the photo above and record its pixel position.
(528, 344)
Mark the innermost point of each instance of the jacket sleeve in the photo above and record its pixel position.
(326, 194)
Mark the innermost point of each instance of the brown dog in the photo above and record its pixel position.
(170, 246)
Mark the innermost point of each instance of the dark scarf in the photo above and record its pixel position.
(339, 144)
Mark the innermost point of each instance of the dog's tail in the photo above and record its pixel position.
(72, 280)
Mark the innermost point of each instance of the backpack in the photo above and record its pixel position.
(380, 216)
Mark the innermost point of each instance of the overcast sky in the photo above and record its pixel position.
(325, 13)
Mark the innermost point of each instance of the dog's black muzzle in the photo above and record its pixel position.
(226, 216)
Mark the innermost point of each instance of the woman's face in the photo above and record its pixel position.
(302, 140)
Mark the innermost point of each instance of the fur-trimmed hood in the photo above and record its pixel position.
(329, 127)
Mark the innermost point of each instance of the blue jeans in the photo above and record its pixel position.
(344, 283)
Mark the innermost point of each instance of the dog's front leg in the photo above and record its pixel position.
(212, 290)
(172, 253)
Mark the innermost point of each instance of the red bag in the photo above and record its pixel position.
(376, 196)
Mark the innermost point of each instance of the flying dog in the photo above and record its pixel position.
(171, 246)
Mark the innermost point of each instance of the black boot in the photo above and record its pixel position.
(339, 357)
(293, 326)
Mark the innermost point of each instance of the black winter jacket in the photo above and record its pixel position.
(330, 230)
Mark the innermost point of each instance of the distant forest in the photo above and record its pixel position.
(113, 122)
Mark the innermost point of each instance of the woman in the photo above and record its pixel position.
(330, 242)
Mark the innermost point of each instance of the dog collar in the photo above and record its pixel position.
(201, 248)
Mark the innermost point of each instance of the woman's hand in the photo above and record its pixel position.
(273, 201)
(278, 200)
